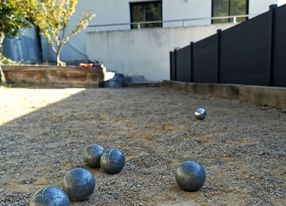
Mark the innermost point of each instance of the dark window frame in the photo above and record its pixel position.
(145, 3)
(229, 8)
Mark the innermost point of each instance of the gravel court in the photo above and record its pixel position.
(43, 134)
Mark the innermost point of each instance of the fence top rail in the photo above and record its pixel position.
(234, 17)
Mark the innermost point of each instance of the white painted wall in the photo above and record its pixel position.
(257, 7)
(186, 9)
(143, 52)
(118, 11)
(281, 2)
(75, 49)
(111, 11)
(107, 12)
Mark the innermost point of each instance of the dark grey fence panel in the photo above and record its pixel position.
(183, 64)
(246, 52)
(205, 60)
(172, 66)
(279, 56)
(253, 52)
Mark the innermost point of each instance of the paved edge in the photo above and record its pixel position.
(259, 95)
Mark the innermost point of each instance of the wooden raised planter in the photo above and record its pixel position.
(54, 77)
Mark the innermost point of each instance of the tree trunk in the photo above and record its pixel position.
(1, 42)
(58, 54)
(58, 58)
(2, 76)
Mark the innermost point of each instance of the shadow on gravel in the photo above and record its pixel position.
(38, 147)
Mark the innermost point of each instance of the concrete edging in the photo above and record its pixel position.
(259, 95)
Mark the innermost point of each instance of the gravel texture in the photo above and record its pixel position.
(43, 134)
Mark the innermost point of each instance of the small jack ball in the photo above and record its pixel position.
(50, 196)
(190, 176)
(200, 113)
(92, 154)
(112, 161)
(79, 184)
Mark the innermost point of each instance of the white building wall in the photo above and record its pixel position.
(107, 12)
(143, 52)
(187, 9)
(75, 49)
(118, 11)
(281, 2)
(257, 7)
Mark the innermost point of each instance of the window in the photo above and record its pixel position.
(146, 11)
(229, 8)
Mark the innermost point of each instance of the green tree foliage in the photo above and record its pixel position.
(12, 20)
(52, 18)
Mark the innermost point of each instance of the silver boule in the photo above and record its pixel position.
(92, 154)
(50, 196)
(79, 184)
(190, 176)
(112, 161)
(200, 113)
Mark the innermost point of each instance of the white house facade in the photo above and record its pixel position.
(120, 11)
(116, 39)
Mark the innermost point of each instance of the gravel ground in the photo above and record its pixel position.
(43, 134)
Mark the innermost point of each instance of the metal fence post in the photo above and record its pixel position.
(218, 56)
(192, 61)
(175, 64)
(171, 65)
(272, 9)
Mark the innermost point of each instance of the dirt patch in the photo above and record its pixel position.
(43, 133)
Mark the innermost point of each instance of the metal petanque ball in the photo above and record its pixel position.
(79, 184)
(50, 196)
(190, 176)
(200, 113)
(92, 154)
(112, 161)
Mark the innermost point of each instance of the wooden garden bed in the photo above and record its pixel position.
(53, 77)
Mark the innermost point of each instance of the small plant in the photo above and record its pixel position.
(52, 18)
